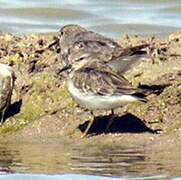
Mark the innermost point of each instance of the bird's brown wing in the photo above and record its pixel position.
(99, 78)
(138, 49)
(5, 92)
(127, 58)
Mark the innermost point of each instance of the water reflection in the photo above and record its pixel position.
(60, 158)
(108, 162)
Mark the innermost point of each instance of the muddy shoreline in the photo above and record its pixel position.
(41, 107)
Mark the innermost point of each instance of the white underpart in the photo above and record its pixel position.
(5, 70)
(93, 102)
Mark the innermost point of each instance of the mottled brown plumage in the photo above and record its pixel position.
(5, 84)
(98, 78)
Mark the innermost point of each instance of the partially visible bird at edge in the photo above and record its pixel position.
(7, 79)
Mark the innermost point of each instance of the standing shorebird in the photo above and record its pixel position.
(75, 40)
(7, 78)
(95, 86)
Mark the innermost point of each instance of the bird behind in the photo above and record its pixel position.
(7, 78)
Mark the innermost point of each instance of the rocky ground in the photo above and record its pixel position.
(41, 108)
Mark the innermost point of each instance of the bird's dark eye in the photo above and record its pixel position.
(58, 49)
(61, 33)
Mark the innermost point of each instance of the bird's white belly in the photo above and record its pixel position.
(93, 102)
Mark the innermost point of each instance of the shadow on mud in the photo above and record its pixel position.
(13, 109)
(127, 123)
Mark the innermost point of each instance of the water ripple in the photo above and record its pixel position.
(108, 17)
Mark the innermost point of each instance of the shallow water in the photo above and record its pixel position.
(65, 177)
(112, 18)
(57, 158)
(54, 177)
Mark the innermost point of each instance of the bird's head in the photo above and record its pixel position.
(67, 36)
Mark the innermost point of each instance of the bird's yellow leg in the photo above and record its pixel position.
(89, 126)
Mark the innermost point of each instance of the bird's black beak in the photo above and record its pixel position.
(55, 43)
(65, 68)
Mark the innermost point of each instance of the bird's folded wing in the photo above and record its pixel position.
(99, 78)
(124, 60)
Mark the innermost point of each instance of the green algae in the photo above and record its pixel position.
(42, 99)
